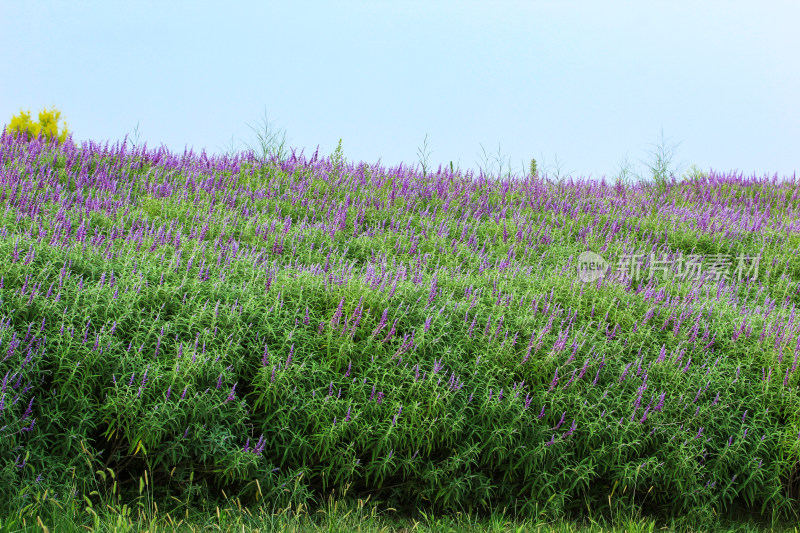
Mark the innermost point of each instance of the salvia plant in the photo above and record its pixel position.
(277, 328)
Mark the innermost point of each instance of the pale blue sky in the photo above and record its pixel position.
(586, 82)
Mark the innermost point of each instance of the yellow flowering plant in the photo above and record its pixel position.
(47, 125)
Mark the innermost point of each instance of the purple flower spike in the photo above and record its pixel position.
(232, 394)
(554, 382)
(624, 373)
(563, 415)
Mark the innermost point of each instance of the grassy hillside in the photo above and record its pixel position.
(194, 328)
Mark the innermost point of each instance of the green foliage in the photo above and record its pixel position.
(190, 319)
(423, 155)
(270, 142)
(338, 161)
(491, 164)
(694, 174)
(662, 165)
(46, 126)
(625, 174)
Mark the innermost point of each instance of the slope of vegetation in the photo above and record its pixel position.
(271, 331)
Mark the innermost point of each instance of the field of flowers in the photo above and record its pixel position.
(276, 329)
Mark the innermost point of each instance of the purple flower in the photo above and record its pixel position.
(472, 327)
(260, 445)
(563, 415)
(624, 373)
(232, 394)
(554, 382)
(662, 355)
(571, 379)
(660, 404)
(264, 359)
(289, 358)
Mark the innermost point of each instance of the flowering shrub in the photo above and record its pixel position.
(276, 333)
(47, 125)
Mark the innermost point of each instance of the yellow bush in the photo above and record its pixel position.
(47, 126)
